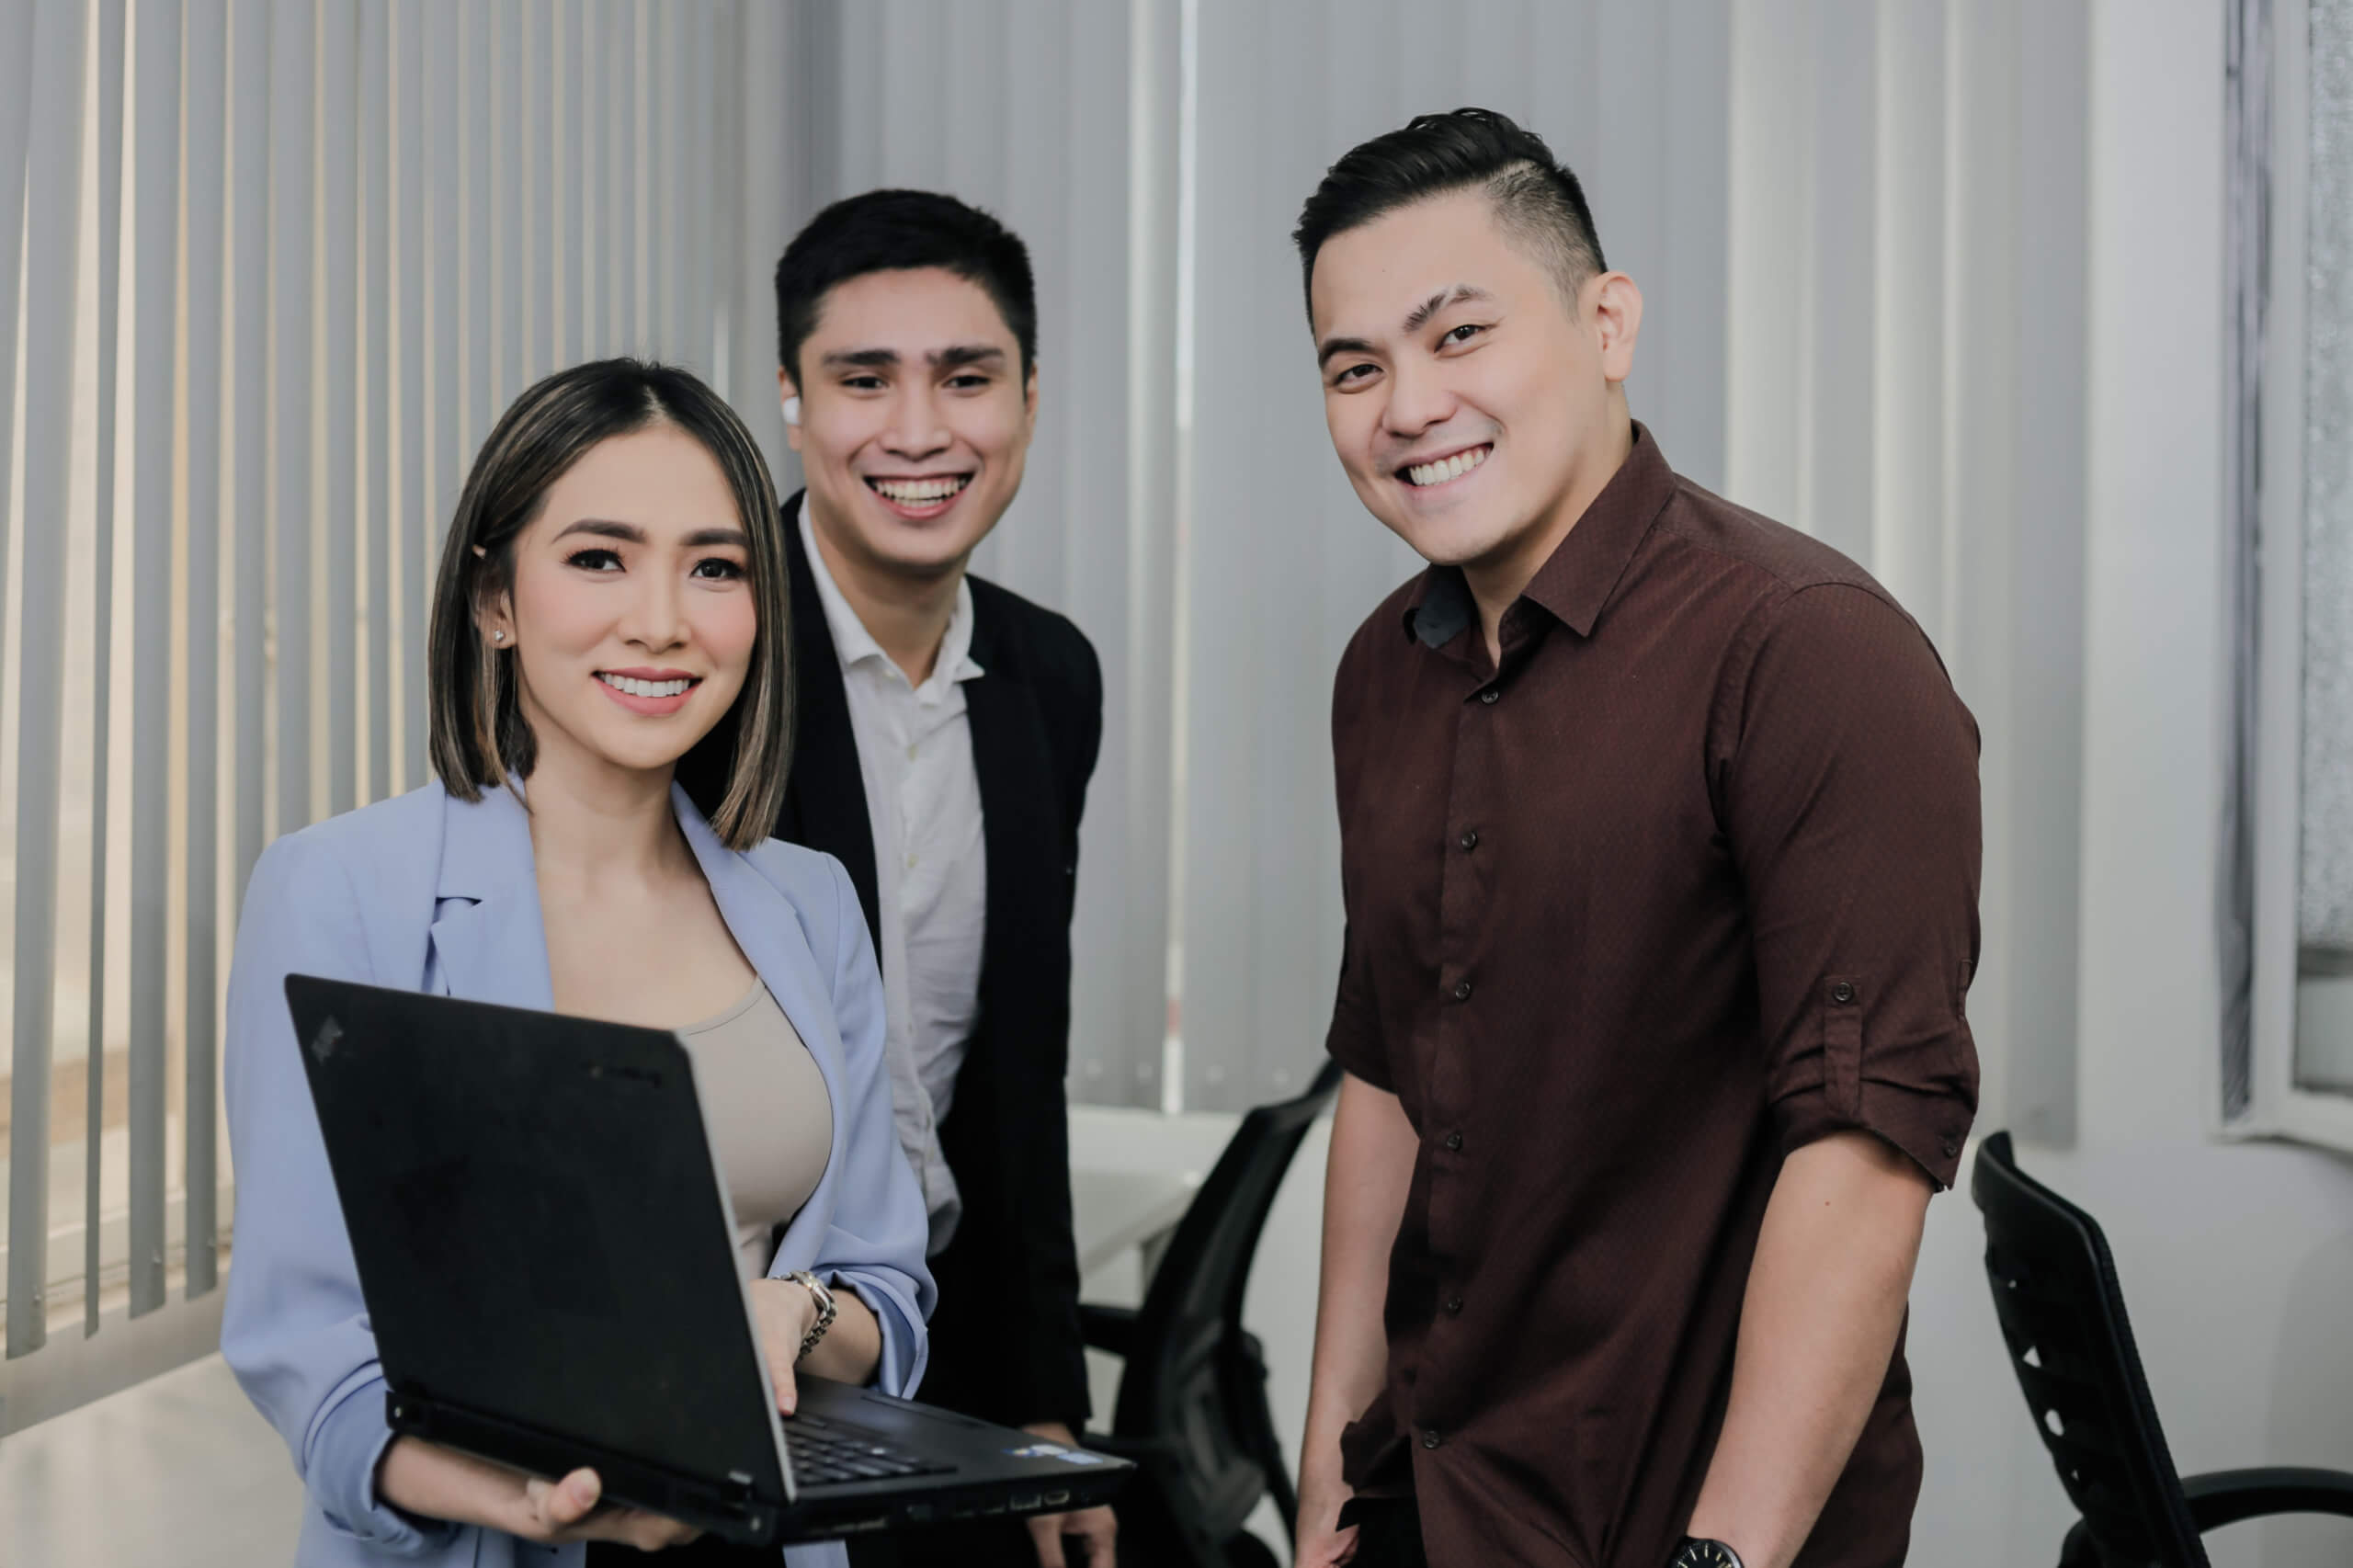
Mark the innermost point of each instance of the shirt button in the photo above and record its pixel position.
(1431, 1439)
(1462, 991)
(911, 754)
(1489, 695)
(1469, 839)
(1453, 1305)
(1454, 1142)
(1842, 992)
(1950, 1148)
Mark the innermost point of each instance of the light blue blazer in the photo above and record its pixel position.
(427, 891)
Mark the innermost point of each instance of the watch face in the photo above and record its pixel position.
(1706, 1555)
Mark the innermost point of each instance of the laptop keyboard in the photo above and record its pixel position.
(825, 1452)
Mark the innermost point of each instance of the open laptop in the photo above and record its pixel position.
(547, 1252)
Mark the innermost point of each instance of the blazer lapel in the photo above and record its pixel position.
(1018, 808)
(768, 929)
(825, 806)
(489, 943)
(765, 926)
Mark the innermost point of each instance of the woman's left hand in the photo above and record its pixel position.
(784, 1312)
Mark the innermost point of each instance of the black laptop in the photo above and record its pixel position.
(549, 1262)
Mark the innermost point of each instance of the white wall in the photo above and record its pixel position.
(2237, 1259)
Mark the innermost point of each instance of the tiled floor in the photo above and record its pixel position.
(179, 1469)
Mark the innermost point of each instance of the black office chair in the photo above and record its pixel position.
(2062, 1317)
(1192, 1406)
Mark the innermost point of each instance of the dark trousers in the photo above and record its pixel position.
(1389, 1532)
(987, 1543)
(705, 1551)
(982, 1543)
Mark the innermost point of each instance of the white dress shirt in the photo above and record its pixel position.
(923, 802)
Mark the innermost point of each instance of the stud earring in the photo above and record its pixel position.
(498, 637)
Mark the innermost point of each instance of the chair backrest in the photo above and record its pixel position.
(1187, 1359)
(2062, 1316)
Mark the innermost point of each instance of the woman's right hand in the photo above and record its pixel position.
(435, 1482)
(557, 1512)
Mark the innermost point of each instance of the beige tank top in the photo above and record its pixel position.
(771, 1119)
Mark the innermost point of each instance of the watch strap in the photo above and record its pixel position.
(827, 1309)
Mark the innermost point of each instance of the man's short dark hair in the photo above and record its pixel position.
(899, 230)
(1536, 200)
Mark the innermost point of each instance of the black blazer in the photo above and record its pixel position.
(1004, 1342)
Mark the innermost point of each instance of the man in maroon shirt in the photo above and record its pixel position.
(1659, 832)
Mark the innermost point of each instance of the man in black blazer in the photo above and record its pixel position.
(948, 730)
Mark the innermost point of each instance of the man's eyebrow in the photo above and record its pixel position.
(1336, 345)
(1439, 300)
(938, 359)
(1415, 321)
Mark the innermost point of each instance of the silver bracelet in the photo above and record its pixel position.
(827, 1309)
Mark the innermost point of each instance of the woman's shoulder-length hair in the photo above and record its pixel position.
(479, 739)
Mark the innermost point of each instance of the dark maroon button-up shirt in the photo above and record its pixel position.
(1688, 882)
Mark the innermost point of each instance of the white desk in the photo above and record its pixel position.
(1112, 1211)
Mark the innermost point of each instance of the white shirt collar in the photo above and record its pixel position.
(854, 645)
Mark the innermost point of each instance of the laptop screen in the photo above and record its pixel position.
(541, 1233)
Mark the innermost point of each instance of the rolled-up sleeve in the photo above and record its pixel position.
(1354, 1040)
(294, 1328)
(1849, 796)
(875, 1238)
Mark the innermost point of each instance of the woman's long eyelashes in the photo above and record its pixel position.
(719, 569)
(595, 560)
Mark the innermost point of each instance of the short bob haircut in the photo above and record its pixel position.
(480, 740)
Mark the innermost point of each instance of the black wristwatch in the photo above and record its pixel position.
(1697, 1553)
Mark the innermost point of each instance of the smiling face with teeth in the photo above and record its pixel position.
(1475, 408)
(915, 421)
(630, 613)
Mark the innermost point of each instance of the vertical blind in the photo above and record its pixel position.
(268, 270)
(1058, 115)
(1906, 378)
(1282, 562)
(1181, 501)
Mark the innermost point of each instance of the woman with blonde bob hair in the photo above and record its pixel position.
(609, 688)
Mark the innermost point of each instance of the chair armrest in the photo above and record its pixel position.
(2225, 1496)
(1106, 1328)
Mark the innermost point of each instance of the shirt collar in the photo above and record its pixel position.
(1575, 583)
(854, 645)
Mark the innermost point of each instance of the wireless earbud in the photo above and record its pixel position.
(792, 410)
